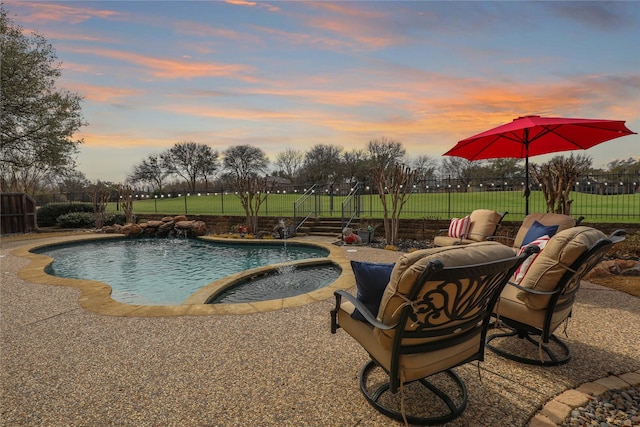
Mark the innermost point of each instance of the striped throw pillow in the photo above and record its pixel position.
(540, 242)
(459, 226)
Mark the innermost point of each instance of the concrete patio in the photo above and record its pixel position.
(62, 365)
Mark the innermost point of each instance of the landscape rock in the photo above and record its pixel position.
(131, 230)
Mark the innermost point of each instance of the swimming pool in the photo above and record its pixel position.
(150, 271)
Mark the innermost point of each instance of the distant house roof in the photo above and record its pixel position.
(278, 180)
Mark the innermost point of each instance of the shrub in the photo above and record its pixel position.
(49, 213)
(77, 220)
(116, 218)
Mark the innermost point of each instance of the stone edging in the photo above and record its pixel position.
(557, 409)
(96, 296)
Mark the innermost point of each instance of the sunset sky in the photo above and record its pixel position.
(294, 74)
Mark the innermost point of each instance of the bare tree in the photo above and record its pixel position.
(191, 161)
(321, 162)
(244, 165)
(459, 168)
(394, 186)
(557, 177)
(99, 193)
(425, 167)
(125, 193)
(355, 164)
(289, 162)
(385, 152)
(151, 170)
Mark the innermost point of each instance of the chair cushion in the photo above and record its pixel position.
(511, 307)
(562, 221)
(412, 366)
(483, 224)
(538, 230)
(522, 270)
(450, 241)
(411, 265)
(371, 280)
(459, 226)
(548, 268)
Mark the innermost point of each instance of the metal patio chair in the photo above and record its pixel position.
(543, 300)
(433, 316)
(483, 223)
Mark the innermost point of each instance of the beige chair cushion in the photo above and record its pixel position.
(551, 264)
(562, 221)
(450, 241)
(409, 267)
(513, 308)
(483, 224)
(412, 366)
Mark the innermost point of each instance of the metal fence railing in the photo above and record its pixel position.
(599, 198)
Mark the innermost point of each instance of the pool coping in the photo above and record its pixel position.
(95, 296)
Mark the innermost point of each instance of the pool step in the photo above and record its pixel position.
(330, 227)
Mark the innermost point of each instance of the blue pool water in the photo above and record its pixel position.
(165, 271)
(285, 281)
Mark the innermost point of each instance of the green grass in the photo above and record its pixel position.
(595, 208)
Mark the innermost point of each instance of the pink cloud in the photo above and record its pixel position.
(172, 69)
(267, 6)
(104, 94)
(47, 12)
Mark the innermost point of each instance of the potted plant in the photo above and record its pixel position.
(366, 231)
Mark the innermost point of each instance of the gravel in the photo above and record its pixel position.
(613, 408)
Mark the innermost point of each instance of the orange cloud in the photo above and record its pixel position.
(104, 94)
(120, 140)
(173, 69)
(269, 7)
(47, 12)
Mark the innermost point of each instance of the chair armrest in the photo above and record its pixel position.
(442, 232)
(467, 236)
(371, 319)
(534, 291)
(618, 233)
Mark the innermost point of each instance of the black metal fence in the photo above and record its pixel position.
(600, 198)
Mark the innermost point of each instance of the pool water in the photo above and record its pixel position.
(284, 282)
(165, 271)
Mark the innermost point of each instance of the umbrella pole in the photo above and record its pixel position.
(526, 186)
(526, 172)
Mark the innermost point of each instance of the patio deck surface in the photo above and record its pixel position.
(61, 365)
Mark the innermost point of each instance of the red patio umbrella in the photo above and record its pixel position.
(535, 135)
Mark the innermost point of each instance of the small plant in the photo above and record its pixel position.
(368, 225)
(116, 218)
(77, 220)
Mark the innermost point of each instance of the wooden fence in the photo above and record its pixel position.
(17, 213)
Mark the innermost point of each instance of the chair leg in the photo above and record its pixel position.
(454, 409)
(552, 359)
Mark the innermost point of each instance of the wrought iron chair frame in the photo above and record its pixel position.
(562, 297)
(488, 279)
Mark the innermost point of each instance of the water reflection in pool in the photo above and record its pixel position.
(165, 271)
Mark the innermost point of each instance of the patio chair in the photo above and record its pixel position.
(536, 225)
(482, 223)
(536, 306)
(433, 316)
